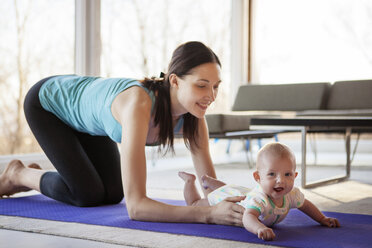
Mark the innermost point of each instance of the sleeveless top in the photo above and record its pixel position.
(84, 103)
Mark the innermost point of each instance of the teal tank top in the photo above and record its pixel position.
(84, 103)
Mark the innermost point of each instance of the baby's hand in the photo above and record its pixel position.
(330, 222)
(266, 233)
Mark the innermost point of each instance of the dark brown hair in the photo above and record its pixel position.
(185, 58)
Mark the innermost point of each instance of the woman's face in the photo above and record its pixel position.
(195, 92)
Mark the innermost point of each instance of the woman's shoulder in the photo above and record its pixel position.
(136, 95)
(133, 99)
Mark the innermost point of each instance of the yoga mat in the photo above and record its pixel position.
(297, 230)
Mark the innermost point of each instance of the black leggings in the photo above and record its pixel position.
(88, 167)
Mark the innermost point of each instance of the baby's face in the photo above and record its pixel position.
(277, 176)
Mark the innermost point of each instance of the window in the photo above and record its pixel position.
(37, 40)
(138, 37)
(311, 41)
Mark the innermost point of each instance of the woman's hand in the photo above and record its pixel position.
(228, 212)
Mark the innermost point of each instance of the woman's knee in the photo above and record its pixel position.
(89, 198)
(114, 198)
(85, 202)
(93, 199)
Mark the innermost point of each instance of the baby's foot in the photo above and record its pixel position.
(187, 177)
(211, 183)
(8, 179)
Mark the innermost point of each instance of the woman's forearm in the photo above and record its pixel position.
(147, 209)
(201, 156)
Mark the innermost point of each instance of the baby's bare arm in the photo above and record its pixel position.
(253, 225)
(311, 210)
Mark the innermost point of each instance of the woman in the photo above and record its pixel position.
(77, 121)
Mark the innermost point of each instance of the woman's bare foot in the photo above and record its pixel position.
(8, 179)
(34, 166)
(187, 177)
(211, 183)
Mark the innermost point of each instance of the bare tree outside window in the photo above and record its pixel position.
(34, 44)
(138, 37)
(137, 40)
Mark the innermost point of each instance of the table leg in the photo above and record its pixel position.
(348, 150)
(303, 152)
(334, 179)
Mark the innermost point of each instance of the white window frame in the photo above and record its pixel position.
(87, 37)
(88, 41)
(239, 46)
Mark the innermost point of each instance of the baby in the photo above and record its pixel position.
(267, 204)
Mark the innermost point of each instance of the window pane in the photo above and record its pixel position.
(311, 40)
(37, 40)
(138, 37)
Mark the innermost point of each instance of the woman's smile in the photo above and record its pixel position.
(203, 106)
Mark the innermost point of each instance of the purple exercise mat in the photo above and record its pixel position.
(297, 230)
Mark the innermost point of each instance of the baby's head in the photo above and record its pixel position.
(276, 169)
